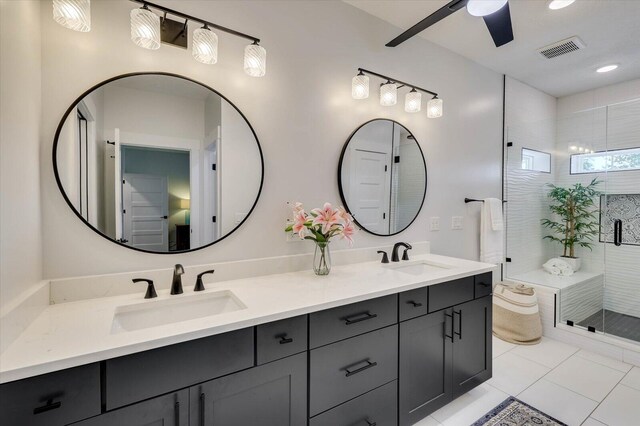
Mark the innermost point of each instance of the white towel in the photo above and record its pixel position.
(557, 266)
(491, 232)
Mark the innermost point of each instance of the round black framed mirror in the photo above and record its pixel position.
(382, 177)
(157, 162)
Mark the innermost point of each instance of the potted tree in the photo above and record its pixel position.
(577, 224)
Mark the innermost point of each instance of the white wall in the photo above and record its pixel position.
(302, 112)
(20, 102)
(530, 122)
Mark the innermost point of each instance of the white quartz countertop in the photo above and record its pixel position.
(77, 333)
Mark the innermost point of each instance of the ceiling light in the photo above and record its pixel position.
(607, 68)
(434, 108)
(360, 86)
(73, 14)
(559, 4)
(145, 28)
(255, 60)
(205, 46)
(413, 101)
(484, 7)
(388, 94)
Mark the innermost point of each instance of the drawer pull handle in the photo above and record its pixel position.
(176, 413)
(361, 369)
(353, 319)
(202, 409)
(484, 284)
(414, 303)
(448, 336)
(459, 332)
(50, 405)
(284, 339)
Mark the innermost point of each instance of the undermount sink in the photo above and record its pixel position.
(417, 267)
(175, 309)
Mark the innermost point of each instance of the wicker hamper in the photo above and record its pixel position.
(516, 317)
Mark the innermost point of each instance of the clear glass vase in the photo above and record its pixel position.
(322, 259)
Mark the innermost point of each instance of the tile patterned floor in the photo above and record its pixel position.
(577, 387)
(622, 325)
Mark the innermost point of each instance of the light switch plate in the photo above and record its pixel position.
(457, 222)
(435, 223)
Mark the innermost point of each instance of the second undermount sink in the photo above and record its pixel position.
(417, 267)
(174, 309)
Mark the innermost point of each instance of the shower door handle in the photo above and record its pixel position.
(617, 232)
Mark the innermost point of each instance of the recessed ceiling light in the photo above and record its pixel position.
(559, 4)
(607, 68)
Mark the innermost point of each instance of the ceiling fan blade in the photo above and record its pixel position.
(499, 25)
(436, 16)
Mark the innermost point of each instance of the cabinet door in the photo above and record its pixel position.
(472, 347)
(273, 394)
(425, 365)
(166, 410)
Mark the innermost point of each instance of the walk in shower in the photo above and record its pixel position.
(599, 149)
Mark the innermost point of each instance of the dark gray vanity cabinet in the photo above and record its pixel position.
(425, 366)
(170, 410)
(273, 394)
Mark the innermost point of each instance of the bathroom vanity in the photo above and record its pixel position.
(392, 357)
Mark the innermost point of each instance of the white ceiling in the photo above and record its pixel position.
(609, 28)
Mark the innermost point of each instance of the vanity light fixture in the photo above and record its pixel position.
(559, 4)
(360, 86)
(145, 28)
(255, 60)
(73, 14)
(148, 30)
(205, 46)
(389, 93)
(413, 101)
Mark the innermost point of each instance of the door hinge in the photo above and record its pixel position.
(385, 168)
(124, 211)
(508, 259)
(213, 167)
(213, 219)
(123, 181)
(396, 159)
(384, 215)
(509, 144)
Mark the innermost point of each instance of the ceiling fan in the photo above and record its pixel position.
(495, 13)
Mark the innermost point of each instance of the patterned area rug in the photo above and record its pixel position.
(513, 412)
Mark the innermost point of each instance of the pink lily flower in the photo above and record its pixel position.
(326, 217)
(299, 220)
(298, 207)
(347, 232)
(344, 214)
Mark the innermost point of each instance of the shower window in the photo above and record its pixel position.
(611, 161)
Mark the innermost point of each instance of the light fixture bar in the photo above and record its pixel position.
(393, 80)
(166, 10)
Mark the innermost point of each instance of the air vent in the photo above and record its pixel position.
(562, 47)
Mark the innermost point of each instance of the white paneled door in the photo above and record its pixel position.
(145, 212)
(370, 186)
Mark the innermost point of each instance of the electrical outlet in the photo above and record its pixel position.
(290, 236)
(435, 223)
(456, 222)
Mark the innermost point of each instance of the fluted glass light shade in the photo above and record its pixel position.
(388, 94)
(413, 101)
(360, 86)
(73, 14)
(484, 7)
(255, 60)
(145, 28)
(434, 108)
(205, 46)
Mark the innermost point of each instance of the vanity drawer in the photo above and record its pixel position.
(379, 407)
(412, 303)
(280, 339)
(483, 284)
(132, 378)
(342, 322)
(52, 399)
(346, 369)
(450, 293)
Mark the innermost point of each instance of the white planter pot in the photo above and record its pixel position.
(574, 262)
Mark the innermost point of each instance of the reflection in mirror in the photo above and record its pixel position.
(158, 163)
(538, 161)
(382, 177)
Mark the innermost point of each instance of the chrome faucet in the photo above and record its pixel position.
(394, 254)
(176, 284)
